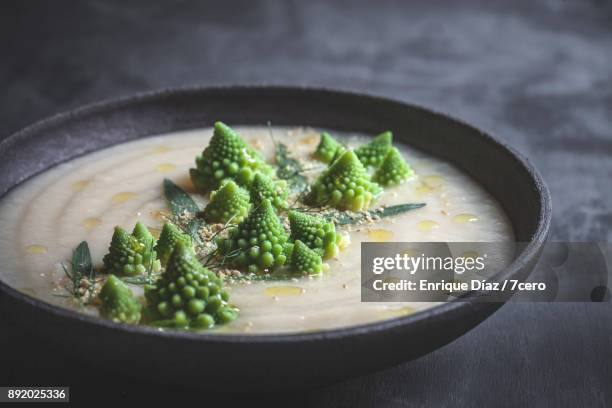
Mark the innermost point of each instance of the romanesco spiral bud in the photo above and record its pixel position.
(257, 243)
(317, 233)
(144, 236)
(393, 170)
(328, 148)
(226, 157)
(142, 233)
(118, 302)
(168, 238)
(263, 187)
(188, 295)
(304, 260)
(230, 203)
(345, 185)
(131, 254)
(373, 153)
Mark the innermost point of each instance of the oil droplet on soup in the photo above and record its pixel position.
(465, 218)
(428, 184)
(160, 149)
(36, 249)
(428, 225)
(165, 168)
(404, 311)
(470, 254)
(410, 252)
(433, 180)
(280, 291)
(80, 185)
(123, 197)
(379, 235)
(309, 139)
(422, 189)
(91, 223)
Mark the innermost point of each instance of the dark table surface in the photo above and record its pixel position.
(536, 74)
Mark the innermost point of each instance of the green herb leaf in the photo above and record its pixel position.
(193, 228)
(137, 280)
(178, 200)
(81, 261)
(281, 275)
(355, 218)
(82, 267)
(288, 168)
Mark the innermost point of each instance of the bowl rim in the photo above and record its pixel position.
(529, 253)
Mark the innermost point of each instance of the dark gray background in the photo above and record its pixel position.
(536, 74)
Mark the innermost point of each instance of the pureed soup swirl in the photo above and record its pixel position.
(45, 218)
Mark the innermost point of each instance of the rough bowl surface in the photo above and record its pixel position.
(270, 362)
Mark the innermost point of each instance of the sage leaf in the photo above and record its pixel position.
(355, 218)
(82, 267)
(178, 200)
(288, 168)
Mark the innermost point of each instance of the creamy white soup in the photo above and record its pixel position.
(84, 199)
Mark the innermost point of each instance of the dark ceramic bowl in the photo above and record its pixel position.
(271, 362)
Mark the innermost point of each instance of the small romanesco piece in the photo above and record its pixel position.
(118, 302)
(304, 260)
(226, 157)
(373, 153)
(259, 242)
(144, 236)
(168, 238)
(344, 185)
(142, 233)
(328, 148)
(187, 295)
(263, 187)
(131, 254)
(393, 170)
(317, 233)
(230, 203)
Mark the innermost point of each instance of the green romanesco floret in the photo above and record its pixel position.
(258, 243)
(344, 185)
(230, 203)
(328, 148)
(142, 233)
(144, 236)
(124, 255)
(131, 254)
(118, 302)
(393, 170)
(316, 232)
(187, 295)
(263, 187)
(226, 157)
(168, 238)
(373, 153)
(304, 260)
